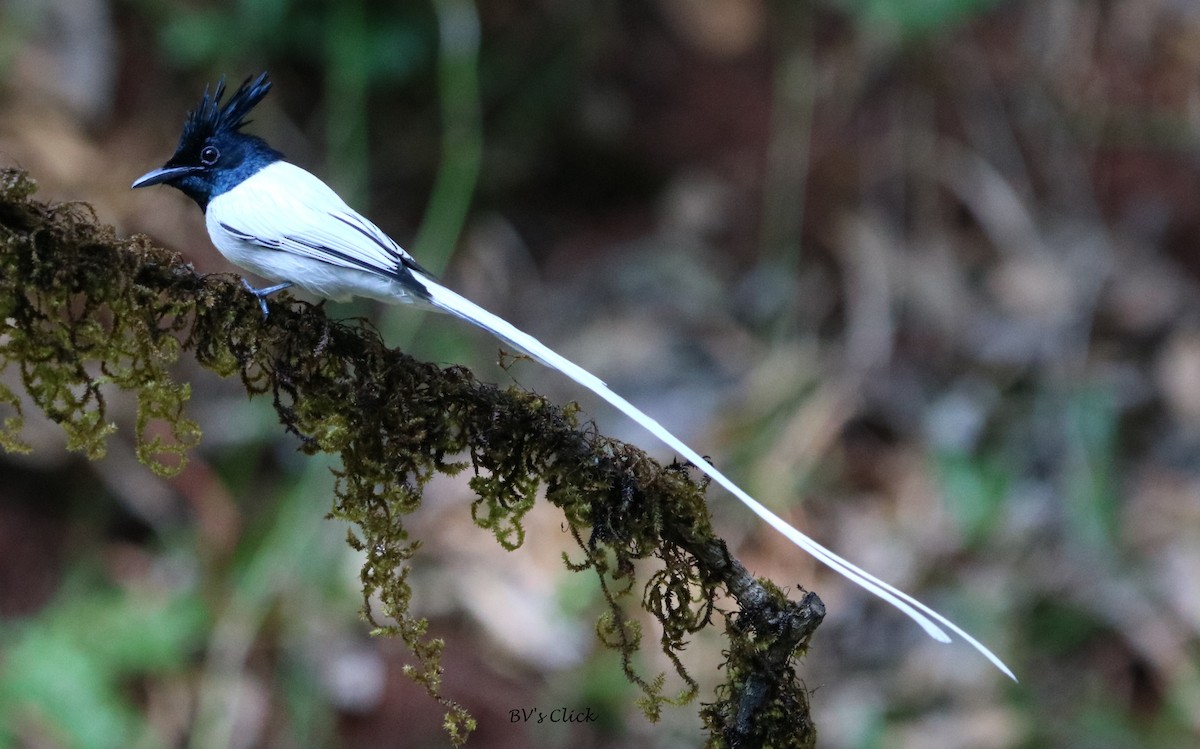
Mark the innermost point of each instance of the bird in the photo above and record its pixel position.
(281, 222)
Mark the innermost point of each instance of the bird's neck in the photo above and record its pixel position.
(254, 161)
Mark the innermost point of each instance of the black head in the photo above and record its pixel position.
(213, 154)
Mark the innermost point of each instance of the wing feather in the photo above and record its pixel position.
(296, 212)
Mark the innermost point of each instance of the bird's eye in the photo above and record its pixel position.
(209, 156)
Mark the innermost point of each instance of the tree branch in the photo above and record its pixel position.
(83, 310)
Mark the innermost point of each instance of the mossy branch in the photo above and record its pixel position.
(84, 310)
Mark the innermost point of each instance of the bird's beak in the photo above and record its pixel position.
(166, 174)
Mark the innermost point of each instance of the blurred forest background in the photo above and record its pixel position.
(920, 274)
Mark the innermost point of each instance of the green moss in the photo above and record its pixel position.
(84, 311)
(762, 703)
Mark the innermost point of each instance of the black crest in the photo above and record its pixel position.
(210, 117)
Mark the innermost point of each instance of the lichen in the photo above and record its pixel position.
(85, 312)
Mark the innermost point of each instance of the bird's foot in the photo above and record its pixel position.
(262, 294)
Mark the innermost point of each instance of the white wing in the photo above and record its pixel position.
(285, 224)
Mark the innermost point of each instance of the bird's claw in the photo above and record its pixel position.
(262, 294)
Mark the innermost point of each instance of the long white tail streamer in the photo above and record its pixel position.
(464, 308)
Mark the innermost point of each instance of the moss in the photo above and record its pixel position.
(85, 311)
